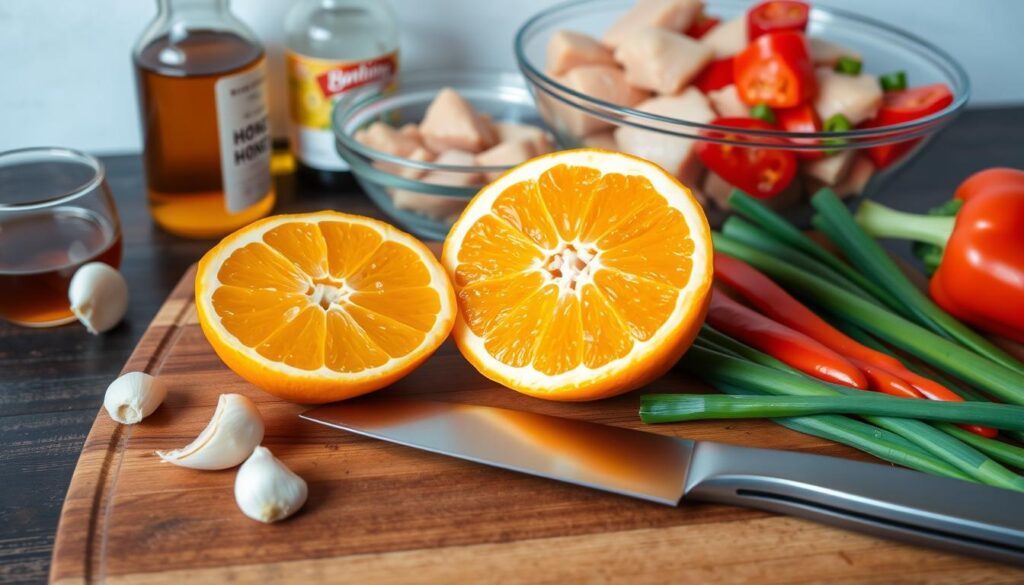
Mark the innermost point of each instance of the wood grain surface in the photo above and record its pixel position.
(379, 512)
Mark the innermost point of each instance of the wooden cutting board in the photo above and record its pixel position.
(383, 513)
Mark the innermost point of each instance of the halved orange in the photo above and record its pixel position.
(322, 306)
(579, 275)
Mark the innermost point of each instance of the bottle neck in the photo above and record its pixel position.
(194, 8)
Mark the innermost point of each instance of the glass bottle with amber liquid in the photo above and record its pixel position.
(201, 78)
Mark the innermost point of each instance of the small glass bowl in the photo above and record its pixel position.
(884, 48)
(427, 209)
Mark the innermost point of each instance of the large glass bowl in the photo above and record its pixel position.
(426, 208)
(884, 48)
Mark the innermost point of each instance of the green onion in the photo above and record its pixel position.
(895, 81)
(763, 112)
(848, 65)
(837, 123)
(660, 408)
(780, 228)
(718, 368)
(863, 437)
(869, 256)
(1004, 453)
(938, 351)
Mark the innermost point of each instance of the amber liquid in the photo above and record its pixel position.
(182, 145)
(40, 252)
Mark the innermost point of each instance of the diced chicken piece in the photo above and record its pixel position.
(385, 138)
(441, 207)
(605, 140)
(421, 154)
(452, 123)
(727, 102)
(602, 82)
(508, 153)
(727, 38)
(857, 97)
(568, 49)
(673, 153)
(536, 136)
(660, 60)
(411, 131)
(825, 53)
(676, 15)
(717, 190)
(830, 170)
(456, 179)
(857, 179)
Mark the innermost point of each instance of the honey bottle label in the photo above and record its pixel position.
(314, 86)
(244, 133)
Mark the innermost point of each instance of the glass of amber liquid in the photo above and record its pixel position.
(56, 214)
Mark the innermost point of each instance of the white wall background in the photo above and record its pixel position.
(66, 75)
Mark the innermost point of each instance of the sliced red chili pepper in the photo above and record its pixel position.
(785, 344)
(761, 172)
(776, 69)
(903, 106)
(775, 16)
(882, 381)
(801, 118)
(716, 75)
(702, 25)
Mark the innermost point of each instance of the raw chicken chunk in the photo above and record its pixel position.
(537, 137)
(660, 60)
(673, 153)
(727, 102)
(717, 190)
(727, 38)
(825, 53)
(605, 140)
(412, 132)
(832, 169)
(508, 153)
(385, 138)
(860, 172)
(452, 123)
(601, 82)
(442, 207)
(676, 15)
(421, 154)
(568, 49)
(857, 97)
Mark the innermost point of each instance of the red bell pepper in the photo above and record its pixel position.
(762, 172)
(785, 344)
(776, 69)
(701, 25)
(905, 106)
(716, 75)
(775, 16)
(980, 277)
(802, 118)
(773, 301)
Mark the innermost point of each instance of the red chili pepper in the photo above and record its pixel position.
(775, 16)
(701, 25)
(762, 172)
(903, 106)
(785, 344)
(801, 118)
(776, 69)
(716, 75)
(882, 381)
(776, 303)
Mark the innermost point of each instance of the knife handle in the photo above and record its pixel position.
(884, 501)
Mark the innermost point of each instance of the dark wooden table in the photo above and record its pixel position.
(52, 380)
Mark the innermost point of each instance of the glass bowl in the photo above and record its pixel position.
(427, 208)
(884, 48)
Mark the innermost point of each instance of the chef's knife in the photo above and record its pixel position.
(884, 501)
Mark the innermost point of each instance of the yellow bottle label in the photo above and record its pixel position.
(314, 85)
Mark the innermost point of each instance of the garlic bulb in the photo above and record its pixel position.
(228, 439)
(99, 296)
(133, 396)
(266, 490)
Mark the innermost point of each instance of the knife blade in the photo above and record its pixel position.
(884, 501)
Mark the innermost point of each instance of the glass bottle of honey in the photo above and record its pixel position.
(201, 78)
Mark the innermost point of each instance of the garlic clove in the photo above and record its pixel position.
(133, 396)
(228, 439)
(99, 296)
(266, 490)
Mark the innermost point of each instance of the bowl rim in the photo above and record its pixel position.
(496, 81)
(884, 134)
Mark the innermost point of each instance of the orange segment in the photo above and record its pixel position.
(322, 306)
(579, 275)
